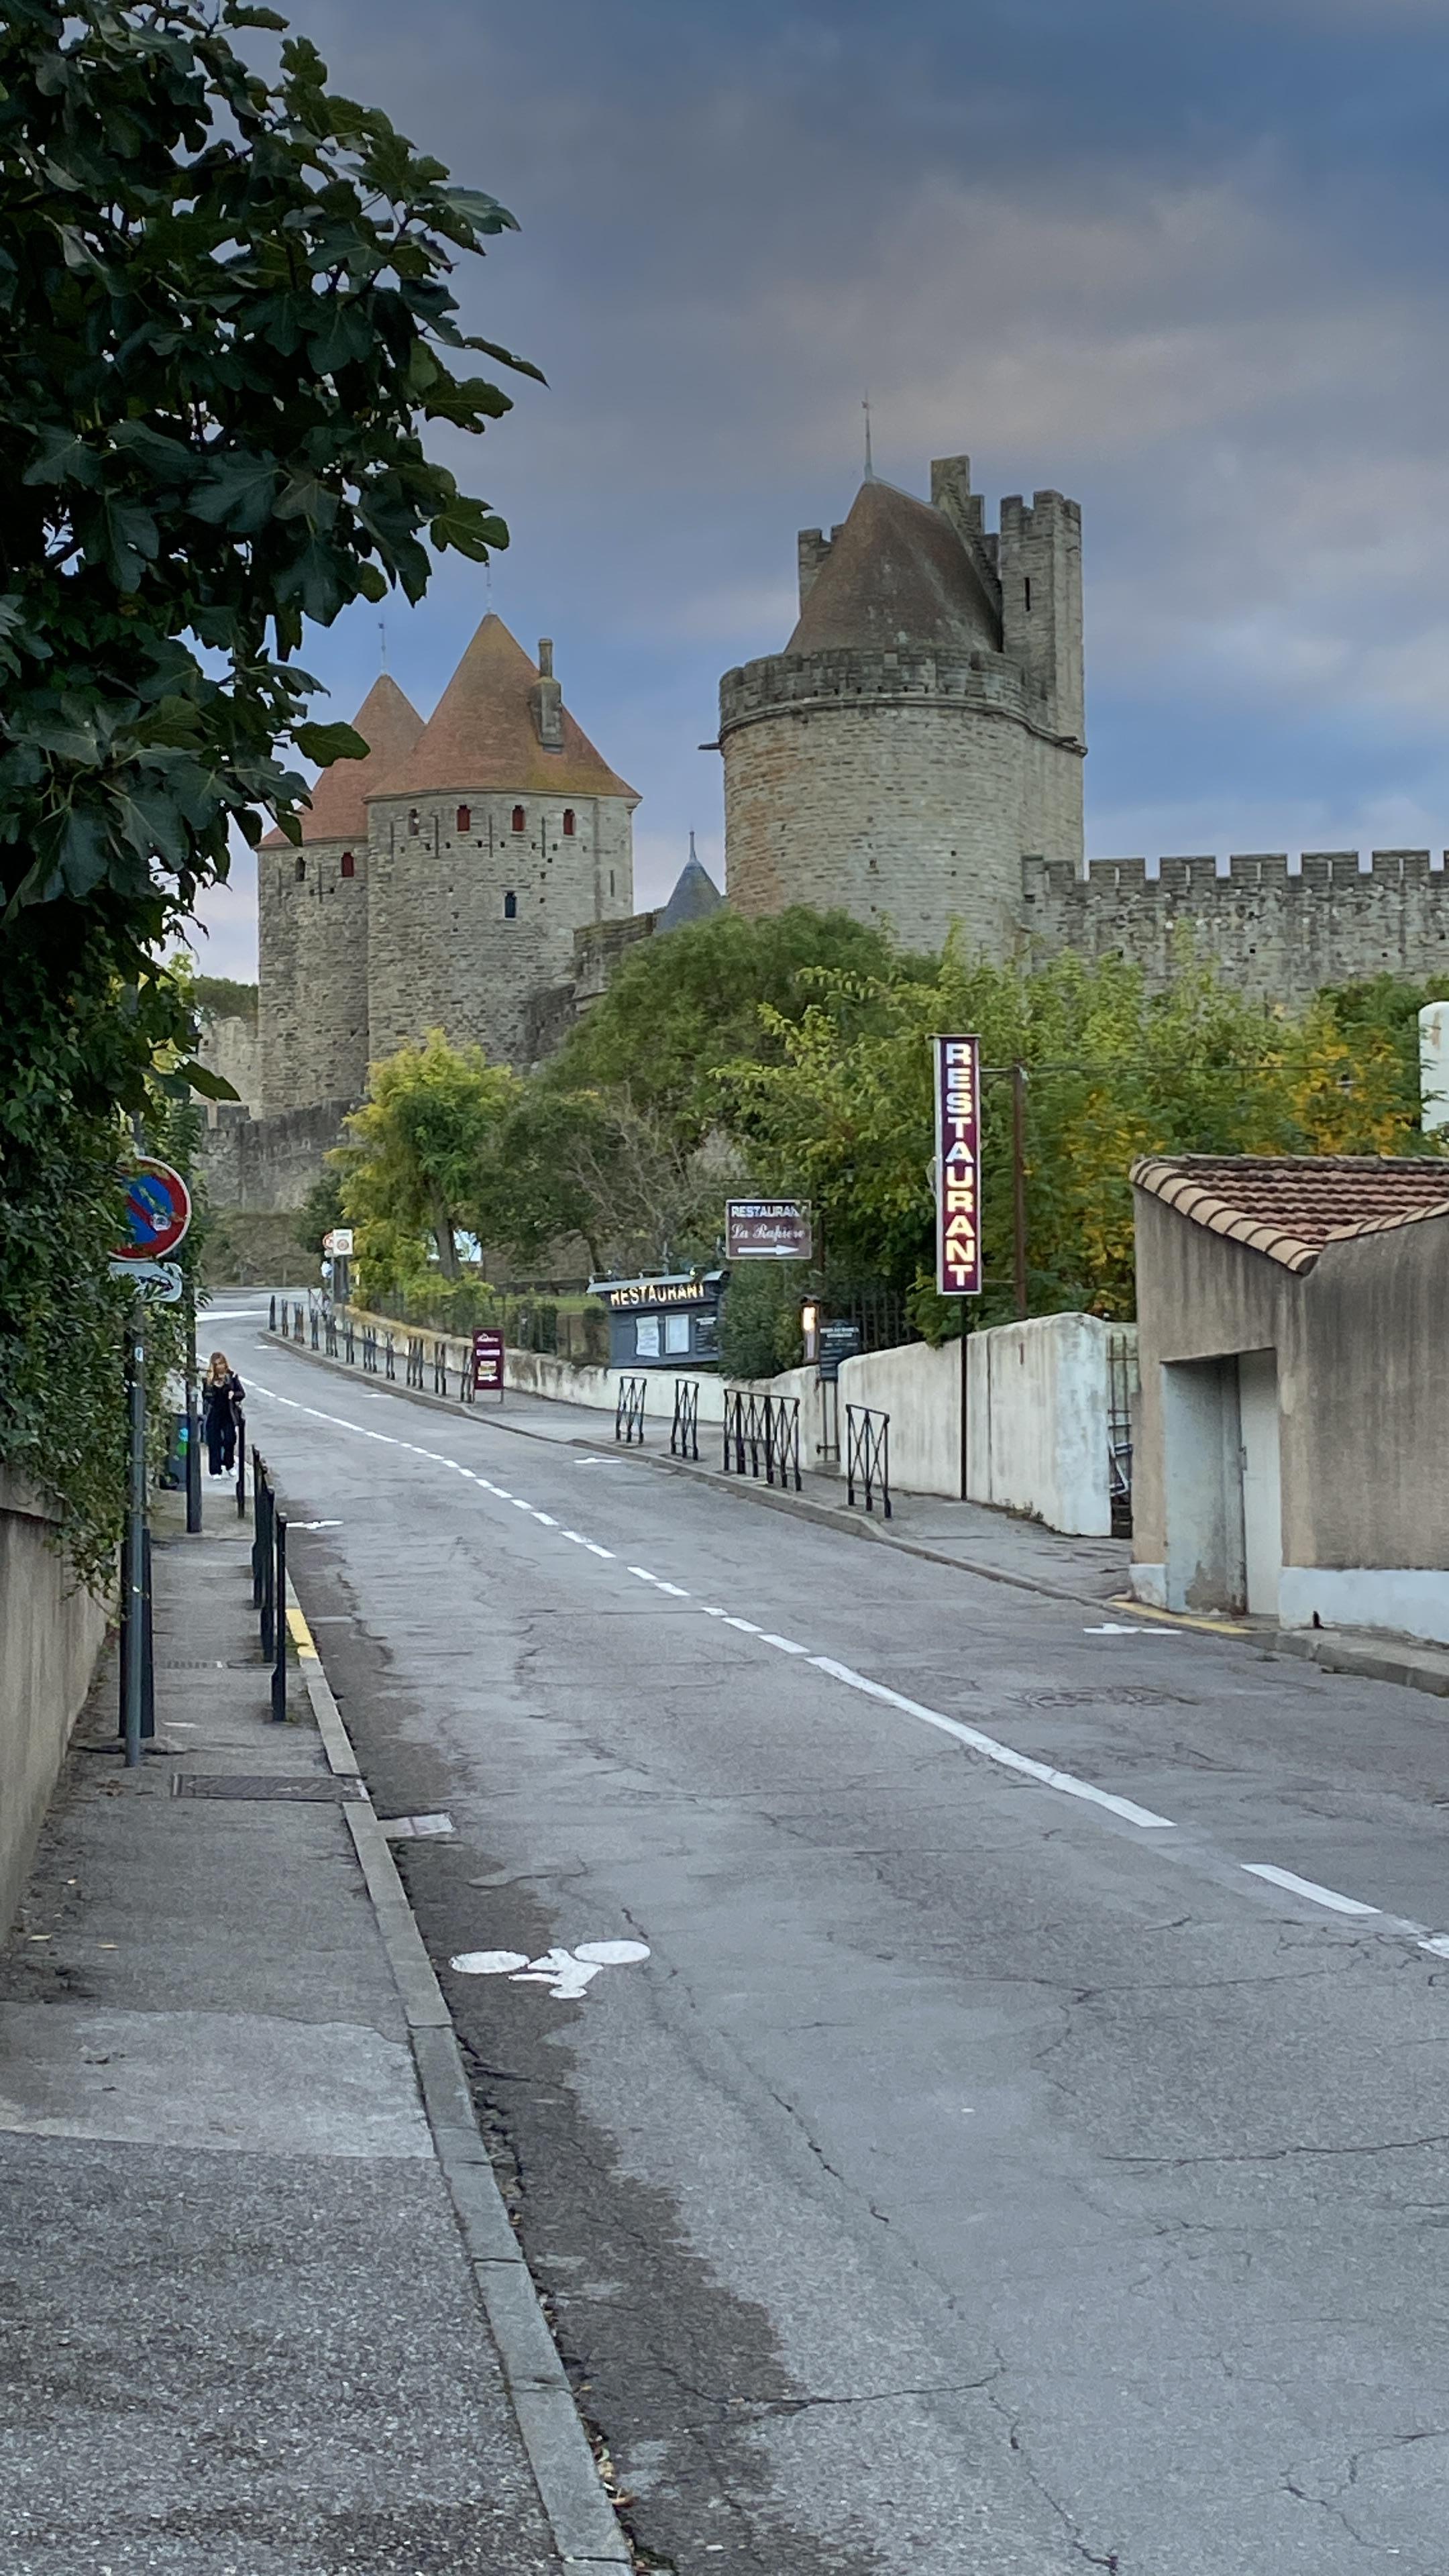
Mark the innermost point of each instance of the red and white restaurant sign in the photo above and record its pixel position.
(958, 1166)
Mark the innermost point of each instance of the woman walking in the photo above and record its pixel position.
(222, 1398)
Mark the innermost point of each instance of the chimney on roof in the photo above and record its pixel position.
(545, 700)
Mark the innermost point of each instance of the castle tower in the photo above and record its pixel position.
(922, 731)
(502, 833)
(312, 922)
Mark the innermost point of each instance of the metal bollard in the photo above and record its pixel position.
(279, 1665)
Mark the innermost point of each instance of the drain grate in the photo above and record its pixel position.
(1129, 1695)
(288, 1787)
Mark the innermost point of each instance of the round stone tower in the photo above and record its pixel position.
(921, 733)
(502, 833)
(312, 921)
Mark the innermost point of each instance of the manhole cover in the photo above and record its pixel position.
(287, 1786)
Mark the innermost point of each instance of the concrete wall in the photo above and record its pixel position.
(1036, 1418)
(1363, 1404)
(1277, 936)
(52, 1633)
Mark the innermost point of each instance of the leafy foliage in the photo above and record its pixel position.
(845, 1114)
(414, 1153)
(225, 321)
(220, 997)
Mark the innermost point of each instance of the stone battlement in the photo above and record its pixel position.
(807, 683)
(1242, 868)
(1278, 932)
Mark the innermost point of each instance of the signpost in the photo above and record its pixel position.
(768, 1230)
(338, 1266)
(836, 1342)
(157, 1214)
(958, 1188)
(488, 1364)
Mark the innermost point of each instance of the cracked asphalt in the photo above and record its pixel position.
(969, 2180)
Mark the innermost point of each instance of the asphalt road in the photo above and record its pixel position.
(980, 2173)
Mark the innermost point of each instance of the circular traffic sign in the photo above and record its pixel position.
(158, 1211)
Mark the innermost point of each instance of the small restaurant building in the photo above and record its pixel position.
(668, 1322)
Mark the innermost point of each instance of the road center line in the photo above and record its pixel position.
(1308, 1887)
(1004, 1754)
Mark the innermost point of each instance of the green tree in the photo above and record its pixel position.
(415, 1151)
(683, 1005)
(845, 1113)
(226, 320)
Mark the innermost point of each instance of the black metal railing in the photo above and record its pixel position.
(767, 1429)
(349, 1340)
(629, 1410)
(369, 1350)
(440, 1368)
(389, 1359)
(329, 1334)
(1122, 1387)
(684, 1437)
(415, 1359)
(868, 1456)
(269, 1580)
(299, 1323)
(272, 1315)
(316, 1322)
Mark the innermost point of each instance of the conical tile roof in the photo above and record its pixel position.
(695, 894)
(482, 737)
(390, 725)
(896, 575)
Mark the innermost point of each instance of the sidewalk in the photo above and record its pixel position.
(974, 1536)
(243, 2334)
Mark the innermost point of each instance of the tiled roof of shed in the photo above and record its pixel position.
(1290, 1206)
(897, 574)
(389, 724)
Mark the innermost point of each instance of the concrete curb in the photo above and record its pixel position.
(1368, 1659)
(743, 1488)
(583, 2522)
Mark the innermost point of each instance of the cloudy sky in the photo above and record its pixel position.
(1185, 262)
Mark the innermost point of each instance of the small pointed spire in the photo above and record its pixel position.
(692, 858)
(382, 640)
(869, 461)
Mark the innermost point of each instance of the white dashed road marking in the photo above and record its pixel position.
(568, 1973)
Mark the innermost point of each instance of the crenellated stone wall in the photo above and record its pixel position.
(1278, 934)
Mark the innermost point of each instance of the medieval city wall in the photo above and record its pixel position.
(1277, 935)
(897, 787)
(465, 926)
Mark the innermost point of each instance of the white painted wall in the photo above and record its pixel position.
(1434, 1065)
(1036, 1418)
(1038, 1411)
(1411, 1600)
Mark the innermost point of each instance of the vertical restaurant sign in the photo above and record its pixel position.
(958, 1166)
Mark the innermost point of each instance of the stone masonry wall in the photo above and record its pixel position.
(899, 788)
(268, 1165)
(1277, 936)
(444, 950)
(312, 946)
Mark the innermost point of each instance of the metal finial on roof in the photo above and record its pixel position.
(869, 461)
(692, 850)
(382, 640)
